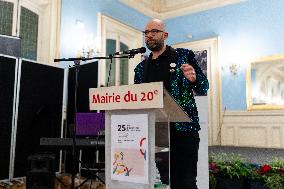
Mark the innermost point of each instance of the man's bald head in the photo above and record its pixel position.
(155, 35)
(156, 24)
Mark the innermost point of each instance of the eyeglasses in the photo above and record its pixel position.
(153, 31)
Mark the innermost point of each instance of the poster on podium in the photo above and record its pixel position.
(129, 148)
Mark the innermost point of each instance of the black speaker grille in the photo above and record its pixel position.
(7, 80)
(40, 110)
(87, 78)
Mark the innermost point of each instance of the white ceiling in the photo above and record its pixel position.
(165, 9)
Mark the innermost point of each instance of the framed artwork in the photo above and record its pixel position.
(265, 83)
(201, 57)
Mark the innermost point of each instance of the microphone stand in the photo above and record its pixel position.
(77, 69)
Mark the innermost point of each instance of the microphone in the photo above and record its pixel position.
(132, 51)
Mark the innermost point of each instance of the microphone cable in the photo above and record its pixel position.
(109, 71)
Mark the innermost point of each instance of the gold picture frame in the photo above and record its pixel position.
(265, 83)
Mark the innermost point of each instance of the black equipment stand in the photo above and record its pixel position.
(77, 69)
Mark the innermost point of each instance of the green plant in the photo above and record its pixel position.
(274, 178)
(275, 181)
(235, 166)
(230, 164)
(258, 172)
(212, 181)
(272, 174)
(277, 162)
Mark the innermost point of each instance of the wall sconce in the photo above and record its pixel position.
(90, 52)
(189, 36)
(234, 68)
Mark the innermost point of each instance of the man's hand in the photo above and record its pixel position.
(188, 72)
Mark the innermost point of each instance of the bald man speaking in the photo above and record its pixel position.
(181, 75)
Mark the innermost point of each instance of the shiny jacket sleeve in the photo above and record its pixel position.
(139, 73)
(201, 85)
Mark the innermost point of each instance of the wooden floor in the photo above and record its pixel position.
(61, 182)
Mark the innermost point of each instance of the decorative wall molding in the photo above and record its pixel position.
(253, 129)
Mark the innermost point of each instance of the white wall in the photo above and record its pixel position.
(202, 166)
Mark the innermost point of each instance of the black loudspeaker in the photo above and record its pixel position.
(39, 111)
(41, 174)
(7, 83)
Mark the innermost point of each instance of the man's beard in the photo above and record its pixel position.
(155, 46)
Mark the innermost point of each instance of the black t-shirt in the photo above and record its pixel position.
(159, 69)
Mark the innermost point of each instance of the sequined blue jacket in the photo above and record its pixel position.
(181, 88)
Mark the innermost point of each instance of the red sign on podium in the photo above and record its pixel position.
(139, 96)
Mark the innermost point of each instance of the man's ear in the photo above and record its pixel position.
(166, 34)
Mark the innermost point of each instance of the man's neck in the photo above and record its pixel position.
(156, 54)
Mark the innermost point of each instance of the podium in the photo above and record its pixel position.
(130, 117)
